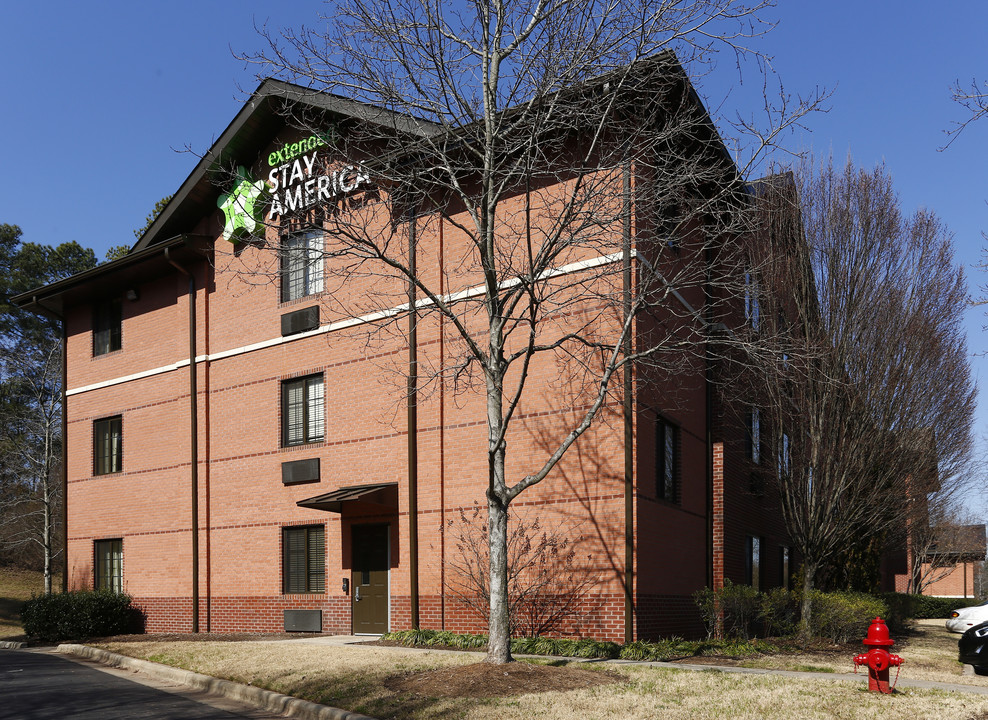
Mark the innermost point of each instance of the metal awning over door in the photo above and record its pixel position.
(383, 494)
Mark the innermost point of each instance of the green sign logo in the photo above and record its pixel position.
(240, 206)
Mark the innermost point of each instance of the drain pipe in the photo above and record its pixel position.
(412, 407)
(193, 438)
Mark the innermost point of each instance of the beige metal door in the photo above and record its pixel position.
(369, 578)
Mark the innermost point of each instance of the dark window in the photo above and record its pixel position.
(301, 265)
(752, 306)
(108, 565)
(304, 566)
(752, 561)
(108, 445)
(783, 461)
(303, 411)
(784, 571)
(667, 466)
(107, 322)
(754, 431)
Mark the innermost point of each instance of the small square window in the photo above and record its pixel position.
(304, 565)
(303, 411)
(108, 445)
(302, 265)
(107, 326)
(108, 565)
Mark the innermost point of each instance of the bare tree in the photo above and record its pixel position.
(949, 537)
(555, 141)
(974, 99)
(871, 393)
(31, 399)
(548, 584)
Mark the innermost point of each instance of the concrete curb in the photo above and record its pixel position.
(10, 645)
(263, 699)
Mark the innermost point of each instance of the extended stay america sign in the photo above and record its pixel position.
(296, 181)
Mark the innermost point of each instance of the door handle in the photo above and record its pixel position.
(356, 594)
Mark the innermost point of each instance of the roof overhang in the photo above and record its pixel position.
(381, 494)
(114, 278)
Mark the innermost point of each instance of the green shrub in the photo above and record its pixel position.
(779, 610)
(843, 616)
(735, 608)
(924, 607)
(80, 615)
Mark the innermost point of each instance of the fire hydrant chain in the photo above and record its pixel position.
(878, 658)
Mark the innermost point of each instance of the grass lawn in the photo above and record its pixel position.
(16, 586)
(929, 652)
(357, 679)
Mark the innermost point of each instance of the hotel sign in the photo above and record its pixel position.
(296, 182)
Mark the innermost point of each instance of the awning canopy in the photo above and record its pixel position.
(385, 494)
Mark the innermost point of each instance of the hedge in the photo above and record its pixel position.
(80, 615)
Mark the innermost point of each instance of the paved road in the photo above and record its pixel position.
(38, 685)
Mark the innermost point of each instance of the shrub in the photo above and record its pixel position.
(843, 616)
(80, 615)
(740, 606)
(780, 611)
(925, 607)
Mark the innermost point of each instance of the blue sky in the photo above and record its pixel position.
(100, 99)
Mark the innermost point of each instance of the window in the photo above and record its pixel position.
(107, 322)
(301, 265)
(303, 411)
(108, 445)
(784, 455)
(752, 561)
(108, 565)
(784, 572)
(667, 456)
(304, 566)
(752, 308)
(754, 435)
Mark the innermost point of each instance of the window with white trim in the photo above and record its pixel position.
(302, 265)
(108, 445)
(108, 565)
(303, 411)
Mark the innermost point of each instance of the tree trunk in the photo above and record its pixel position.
(499, 636)
(47, 539)
(809, 576)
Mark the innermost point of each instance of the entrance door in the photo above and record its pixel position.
(369, 578)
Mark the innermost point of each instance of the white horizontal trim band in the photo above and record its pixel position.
(343, 324)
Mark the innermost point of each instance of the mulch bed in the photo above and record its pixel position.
(482, 680)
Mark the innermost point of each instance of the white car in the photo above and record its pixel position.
(964, 619)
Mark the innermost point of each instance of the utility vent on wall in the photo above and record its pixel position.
(300, 471)
(300, 320)
(303, 620)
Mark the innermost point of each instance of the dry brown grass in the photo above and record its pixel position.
(16, 586)
(929, 652)
(356, 679)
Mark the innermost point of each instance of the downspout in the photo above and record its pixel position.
(64, 472)
(629, 466)
(708, 404)
(193, 438)
(412, 402)
(64, 423)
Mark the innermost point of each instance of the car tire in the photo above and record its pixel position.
(980, 669)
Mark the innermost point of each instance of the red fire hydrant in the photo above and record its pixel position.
(878, 659)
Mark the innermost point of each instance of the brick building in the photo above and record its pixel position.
(241, 455)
